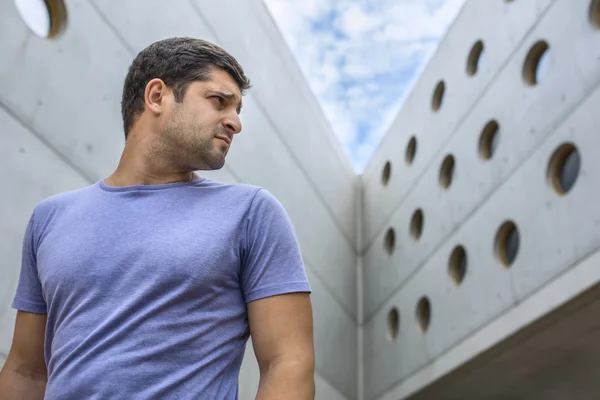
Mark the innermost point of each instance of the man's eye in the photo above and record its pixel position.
(218, 98)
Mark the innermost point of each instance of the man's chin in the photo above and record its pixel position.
(212, 166)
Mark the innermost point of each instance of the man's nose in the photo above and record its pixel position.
(233, 124)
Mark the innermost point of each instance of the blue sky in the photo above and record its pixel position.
(362, 57)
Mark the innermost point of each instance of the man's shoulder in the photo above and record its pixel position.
(260, 199)
(238, 190)
(60, 201)
(240, 187)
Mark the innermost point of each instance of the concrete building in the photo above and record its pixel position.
(480, 218)
(462, 264)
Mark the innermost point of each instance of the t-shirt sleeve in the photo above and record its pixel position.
(272, 261)
(29, 296)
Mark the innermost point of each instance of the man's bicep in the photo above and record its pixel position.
(282, 328)
(29, 295)
(272, 260)
(276, 287)
(26, 355)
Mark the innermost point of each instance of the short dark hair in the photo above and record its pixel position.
(178, 61)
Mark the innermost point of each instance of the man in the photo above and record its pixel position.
(147, 284)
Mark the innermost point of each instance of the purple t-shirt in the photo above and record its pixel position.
(146, 287)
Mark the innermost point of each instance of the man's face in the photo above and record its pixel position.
(200, 129)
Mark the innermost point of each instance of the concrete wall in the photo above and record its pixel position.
(556, 231)
(61, 129)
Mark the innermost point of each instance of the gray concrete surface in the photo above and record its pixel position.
(555, 231)
(478, 20)
(61, 129)
(554, 358)
(525, 120)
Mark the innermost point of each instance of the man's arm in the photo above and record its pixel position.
(24, 374)
(282, 335)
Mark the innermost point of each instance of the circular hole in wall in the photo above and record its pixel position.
(488, 140)
(45, 18)
(416, 224)
(564, 167)
(474, 58)
(507, 243)
(424, 313)
(447, 171)
(595, 13)
(411, 150)
(393, 322)
(458, 264)
(438, 96)
(390, 241)
(387, 172)
(536, 63)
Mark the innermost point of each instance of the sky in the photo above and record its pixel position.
(361, 58)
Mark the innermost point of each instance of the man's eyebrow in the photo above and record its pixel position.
(227, 95)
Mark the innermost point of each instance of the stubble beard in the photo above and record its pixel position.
(191, 145)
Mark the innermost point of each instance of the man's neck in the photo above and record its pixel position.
(142, 167)
(126, 178)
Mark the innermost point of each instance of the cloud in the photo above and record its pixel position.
(354, 21)
(361, 58)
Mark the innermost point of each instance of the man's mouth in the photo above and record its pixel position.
(225, 139)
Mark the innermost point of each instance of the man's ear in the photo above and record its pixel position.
(156, 96)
